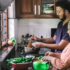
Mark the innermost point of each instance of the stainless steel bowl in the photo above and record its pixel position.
(31, 50)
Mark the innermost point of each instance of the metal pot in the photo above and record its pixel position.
(31, 50)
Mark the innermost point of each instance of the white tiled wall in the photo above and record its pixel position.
(37, 27)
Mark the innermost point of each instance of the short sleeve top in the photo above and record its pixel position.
(61, 33)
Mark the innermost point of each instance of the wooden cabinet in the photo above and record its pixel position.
(25, 8)
(46, 9)
(35, 8)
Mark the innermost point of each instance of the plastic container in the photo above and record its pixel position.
(40, 65)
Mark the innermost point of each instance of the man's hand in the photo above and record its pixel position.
(37, 44)
(35, 38)
(50, 54)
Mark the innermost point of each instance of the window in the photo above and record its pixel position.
(3, 28)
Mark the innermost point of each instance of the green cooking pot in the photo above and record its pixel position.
(41, 65)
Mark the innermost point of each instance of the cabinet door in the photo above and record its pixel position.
(25, 8)
(46, 8)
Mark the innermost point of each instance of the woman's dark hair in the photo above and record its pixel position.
(65, 4)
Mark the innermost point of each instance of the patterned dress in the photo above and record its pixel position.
(62, 63)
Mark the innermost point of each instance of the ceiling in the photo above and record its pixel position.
(4, 4)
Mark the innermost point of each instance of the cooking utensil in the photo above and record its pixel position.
(29, 44)
(31, 50)
(40, 65)
(28, 49)
(27, 56)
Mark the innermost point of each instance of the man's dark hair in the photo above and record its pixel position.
(65, 4)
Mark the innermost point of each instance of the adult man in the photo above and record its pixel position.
(60, 37)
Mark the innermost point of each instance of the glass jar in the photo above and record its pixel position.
(22, 38)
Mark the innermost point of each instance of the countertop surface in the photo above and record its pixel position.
(4, 54)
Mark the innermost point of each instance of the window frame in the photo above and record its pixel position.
(4, 27)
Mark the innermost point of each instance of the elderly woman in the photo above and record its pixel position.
(59, 61)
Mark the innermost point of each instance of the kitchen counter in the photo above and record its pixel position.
(4, 55)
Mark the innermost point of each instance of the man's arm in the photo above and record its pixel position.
(61, 45)
(48, 40)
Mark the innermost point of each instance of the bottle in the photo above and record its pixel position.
(22, 38)
(41, 36)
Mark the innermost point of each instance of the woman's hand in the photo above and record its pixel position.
(47, 58)
(50, 54)
(37, 44)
